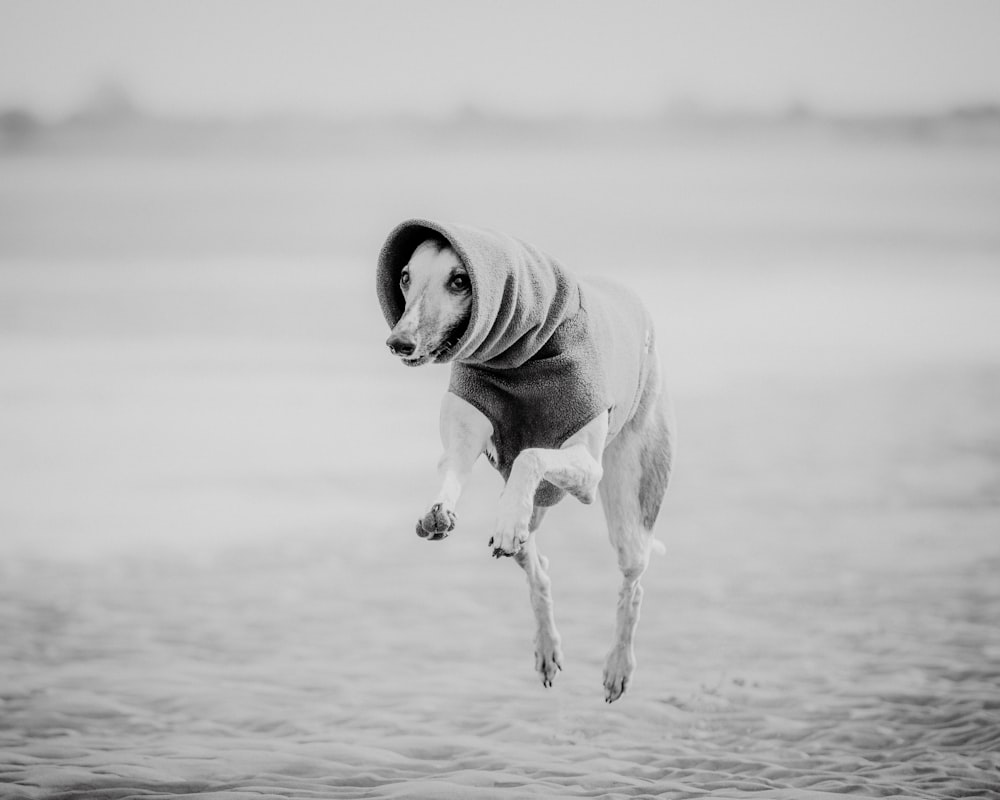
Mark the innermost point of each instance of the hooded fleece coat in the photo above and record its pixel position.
(544, 352)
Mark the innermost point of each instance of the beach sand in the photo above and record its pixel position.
(210, 470)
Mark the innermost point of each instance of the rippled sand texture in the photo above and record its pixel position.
(210, 470)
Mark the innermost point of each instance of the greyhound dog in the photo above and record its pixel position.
(556, 380)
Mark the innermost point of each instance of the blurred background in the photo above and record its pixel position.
(193, 374)
(192, 197)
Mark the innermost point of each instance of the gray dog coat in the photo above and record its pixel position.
(545, 352)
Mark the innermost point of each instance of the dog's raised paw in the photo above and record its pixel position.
(437, 523)
(507, 546)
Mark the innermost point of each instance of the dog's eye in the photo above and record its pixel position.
(404, 280)
(459, 283)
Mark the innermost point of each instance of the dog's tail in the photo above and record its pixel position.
(657, 546)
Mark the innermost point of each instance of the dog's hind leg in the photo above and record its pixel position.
(636, 470)
(548, 649)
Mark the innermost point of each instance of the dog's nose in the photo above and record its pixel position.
(400, 345)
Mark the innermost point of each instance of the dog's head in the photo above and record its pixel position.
(437, 292)
(471, 295)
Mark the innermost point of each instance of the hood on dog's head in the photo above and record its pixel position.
(395, 255)
(520, 295)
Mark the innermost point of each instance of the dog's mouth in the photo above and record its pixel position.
(444, 350)
(438, 355)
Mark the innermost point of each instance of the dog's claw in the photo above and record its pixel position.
(618, 673)
(517, 544)
(548, 658)
(499, 551)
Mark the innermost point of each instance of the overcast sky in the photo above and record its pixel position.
(359, 56)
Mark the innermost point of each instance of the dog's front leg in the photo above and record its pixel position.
(575, 467)
(465, 432)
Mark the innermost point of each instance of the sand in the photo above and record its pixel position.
(210, 586)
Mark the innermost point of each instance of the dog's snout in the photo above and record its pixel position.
(401, 345)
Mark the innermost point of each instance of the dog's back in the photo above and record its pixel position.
(622, 330)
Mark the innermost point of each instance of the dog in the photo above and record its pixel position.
(557, 381)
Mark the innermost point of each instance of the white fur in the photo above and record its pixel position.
(430, 308)
(587, 465)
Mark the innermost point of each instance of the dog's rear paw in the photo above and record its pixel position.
(548, 660)
(618, 673)
(437, 523)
